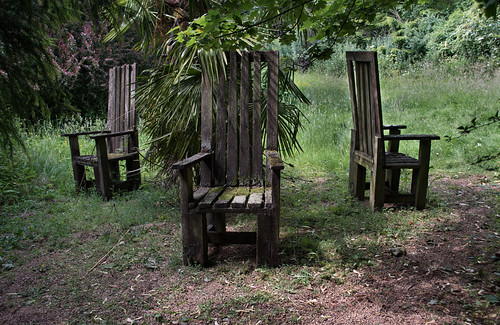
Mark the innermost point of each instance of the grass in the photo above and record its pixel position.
(53, 238)
(428, 100)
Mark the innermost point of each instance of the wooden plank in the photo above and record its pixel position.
(220, 131)
(358, 122)
(239, 201)
(257, 123)
(224, 238)
(132, 119)
(392, 176)
(352, 91)
(232, 136)
(188, 162)
(375, 93)
(226, 197)
(256, 200)
(210, 198)
(423, 174)
(377, 183)
(120, 113)
(103, 181)
(411, 137)
(197, 196)
(240, 197)
(268, 199)
(272, 100)
(112, 102)
(366, 107)
(244, 159)
(206, 129)
(126, 98)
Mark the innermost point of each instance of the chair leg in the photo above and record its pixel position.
(422, 176)
(357, 173)
(114, 171)
(393, 177)
(79, 175)
(216, 222)
(377, 182)
(194, 239)
(194, 227)
(377, 189)
(268, 238)
(102, 174)
(358, 181)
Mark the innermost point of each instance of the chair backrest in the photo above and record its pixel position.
(121, 104)
(240, 109)
(364, 86)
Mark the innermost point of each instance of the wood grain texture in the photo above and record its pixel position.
(367, 141)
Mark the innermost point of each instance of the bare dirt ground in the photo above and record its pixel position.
(449, 274)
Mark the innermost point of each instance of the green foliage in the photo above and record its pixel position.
(15, 180)
(466, 35)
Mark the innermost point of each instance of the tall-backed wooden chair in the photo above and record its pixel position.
(233, 178)
(120, 142)
(367, 142)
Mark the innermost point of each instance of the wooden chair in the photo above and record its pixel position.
(119, 142)
(367, 142)
(232, 176)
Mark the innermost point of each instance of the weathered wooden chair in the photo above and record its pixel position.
(119, 142)
(232, 176)
(367, 142)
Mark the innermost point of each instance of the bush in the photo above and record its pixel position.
(466, 35)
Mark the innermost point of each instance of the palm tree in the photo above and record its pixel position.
(169, 98)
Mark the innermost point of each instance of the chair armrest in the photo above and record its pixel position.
(394, 127)
(84, 133)
(274, 161)
(110, 135)
(188, 162)
(411, 137)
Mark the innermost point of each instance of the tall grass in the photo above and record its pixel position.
(428, 99)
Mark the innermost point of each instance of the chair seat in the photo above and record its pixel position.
(91, 160)
(229, 200)
(396, 160)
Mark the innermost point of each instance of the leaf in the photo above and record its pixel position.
(492, 299)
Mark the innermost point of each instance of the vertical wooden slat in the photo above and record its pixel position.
(220, 131)
(421, 175)
(375, 92)
(244, 158)
(364, 116)
(126, 98)
(257, 122)
(232, 145)
(352, 91)
(132, 121)
(377, 182)
(102, 172)
(111, 103)
(369, 115)
(272, 100)
(206, 128)
(360, 111)
(120, 118)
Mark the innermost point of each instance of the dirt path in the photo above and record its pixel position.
(447, 274)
